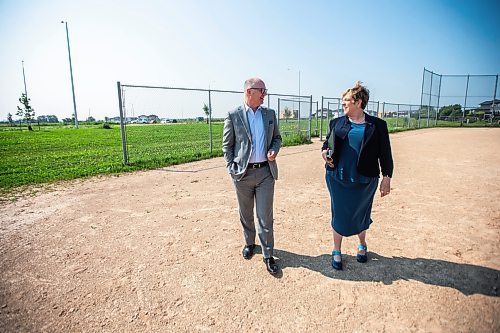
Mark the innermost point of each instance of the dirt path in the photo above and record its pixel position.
(159, 251)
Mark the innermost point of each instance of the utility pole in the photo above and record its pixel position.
(71, 75)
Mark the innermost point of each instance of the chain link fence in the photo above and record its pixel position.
(446, 100)
(402, 116)
(203, 109)
(461, 99)
(295, 115)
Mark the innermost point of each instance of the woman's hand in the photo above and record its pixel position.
(385, 186)
(328, 161)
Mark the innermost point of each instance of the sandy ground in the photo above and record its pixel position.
(160, 251)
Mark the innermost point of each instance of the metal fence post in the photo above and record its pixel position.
(428, 104)
(465, 101)
(321, 120)
(122, 124)
(278, 116)
(409, 116)
(310, 114)
(494, 104)
(210, 119)
(317, 125)
(439, 97)
(298, 114)
(397, 118)
(421, 94)
(328, 114)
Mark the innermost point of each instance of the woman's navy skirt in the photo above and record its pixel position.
(351, 204)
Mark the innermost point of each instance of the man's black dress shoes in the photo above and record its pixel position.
(271, 265)
(248, 251)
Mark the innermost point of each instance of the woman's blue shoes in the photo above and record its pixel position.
(337, 264)
(362, 258)
(359, 257)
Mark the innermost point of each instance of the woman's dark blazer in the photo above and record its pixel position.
(375, 146)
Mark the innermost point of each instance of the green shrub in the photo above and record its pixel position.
(106, 126)
(295, 139)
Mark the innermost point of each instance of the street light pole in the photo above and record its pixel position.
(71, 75)
(24, 78)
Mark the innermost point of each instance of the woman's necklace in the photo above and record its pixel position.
(358, 121)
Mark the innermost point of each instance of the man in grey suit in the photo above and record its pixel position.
(251, 142)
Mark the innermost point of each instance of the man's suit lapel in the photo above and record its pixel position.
(243, 116)
(265, 123)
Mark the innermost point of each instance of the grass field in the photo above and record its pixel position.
(52, 153)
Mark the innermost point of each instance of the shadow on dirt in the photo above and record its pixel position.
(468, 279)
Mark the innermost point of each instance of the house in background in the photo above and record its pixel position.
(113, 120)
(47, 119)
(489, 107)
(153, 119)
(168, 121)
(330, 113)
(142, 119)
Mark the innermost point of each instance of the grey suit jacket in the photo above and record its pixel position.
(237, 140)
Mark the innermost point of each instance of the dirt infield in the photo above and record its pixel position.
(160, 251)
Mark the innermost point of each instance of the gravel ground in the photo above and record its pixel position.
(160, 251)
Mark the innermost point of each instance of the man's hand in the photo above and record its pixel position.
(328, 161)
(385, 186)
(271, 155)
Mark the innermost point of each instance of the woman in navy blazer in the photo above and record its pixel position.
(356, 150)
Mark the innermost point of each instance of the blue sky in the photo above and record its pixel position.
(198, 44)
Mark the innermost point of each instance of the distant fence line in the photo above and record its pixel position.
(295, 114)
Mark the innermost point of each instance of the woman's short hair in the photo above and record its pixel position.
(359, 92)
